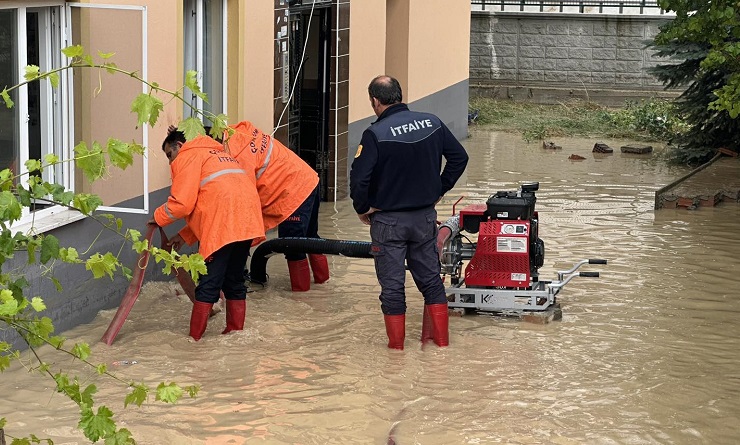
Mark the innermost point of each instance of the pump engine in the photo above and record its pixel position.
(502, 271)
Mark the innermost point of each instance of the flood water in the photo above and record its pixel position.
(645, 354)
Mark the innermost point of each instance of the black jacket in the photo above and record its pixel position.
(399, 160)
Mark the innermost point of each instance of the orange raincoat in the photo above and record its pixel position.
(214, 194)
(284, 180)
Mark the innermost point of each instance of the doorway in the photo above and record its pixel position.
(308, 119)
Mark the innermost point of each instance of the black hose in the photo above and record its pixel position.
(258, 266)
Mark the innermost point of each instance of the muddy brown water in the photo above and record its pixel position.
(645, 354)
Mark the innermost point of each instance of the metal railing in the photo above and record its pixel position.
(577, 6)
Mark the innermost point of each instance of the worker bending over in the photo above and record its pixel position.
(221, 208)
(289, 194)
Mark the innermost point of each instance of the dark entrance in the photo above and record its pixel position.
(308, 120)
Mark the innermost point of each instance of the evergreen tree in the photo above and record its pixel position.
(703, 41)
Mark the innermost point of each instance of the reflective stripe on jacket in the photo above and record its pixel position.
(284, 180)
(215, 196)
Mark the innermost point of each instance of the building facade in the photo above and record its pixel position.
(299, 68)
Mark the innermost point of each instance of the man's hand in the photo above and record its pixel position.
(365, 217)
(176, 242)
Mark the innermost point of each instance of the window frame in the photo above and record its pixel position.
(61, 128)
(193, 43)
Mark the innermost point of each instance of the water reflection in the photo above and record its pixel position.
(645, 354)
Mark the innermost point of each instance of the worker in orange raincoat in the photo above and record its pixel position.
(221, 208)
(289, 193)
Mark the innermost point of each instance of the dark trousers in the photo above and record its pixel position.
(303, 223)
(225, 272)
(400, 238)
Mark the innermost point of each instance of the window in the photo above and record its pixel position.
(46, 120)
(205, 52)
(33, 128)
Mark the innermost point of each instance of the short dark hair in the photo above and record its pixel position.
(173, 138)
(386, 89)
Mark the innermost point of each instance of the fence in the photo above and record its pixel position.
(648, 7)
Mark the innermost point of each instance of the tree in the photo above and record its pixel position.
(20, 312)
(704, 38)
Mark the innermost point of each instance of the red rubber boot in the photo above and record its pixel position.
(395, 327)
(440, 319)
(320, 268)
(199, 319)
(235, 312)
(426, 327)
(300, 275)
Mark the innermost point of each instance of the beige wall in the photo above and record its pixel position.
(439, 46)
(253, 53)
(426, 47)
(398, 16)
(367, 53)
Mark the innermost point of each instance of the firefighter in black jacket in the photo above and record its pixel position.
(395, 182)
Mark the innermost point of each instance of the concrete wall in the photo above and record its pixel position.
(82, 296)
(546, 57)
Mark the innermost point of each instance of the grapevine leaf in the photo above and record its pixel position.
(96, 426)
(168, 393)
(147, 108)
(119, 153)
(49, 248)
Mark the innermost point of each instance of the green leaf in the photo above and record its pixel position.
(140, 246)
(110, 67)
(56, 341)
(69, 255)
(9, 308)
(42, 328)
(51, 159)
(137, 396)
(23, 196)
(103, 55)
(134, 234)
(195, 264)
(49, 248)
(193, 390)
(86, 203)
(81, 351)
(101, 369)
(33, 165)
(97, 426)
(6, 97)
(191, 81)
(32, 72)
(73, 51)
(57, 284)
(90, 161)
(4, 364)
(168, 393)
(147, 109)
(101, 265)
(191, 127)
(38, 304)
(137, 148)
(10, 208)
(6, 295)
(119, 153)
(53, 79)
(220, 125)
(120, 437)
